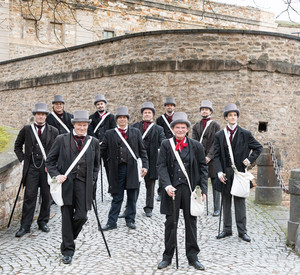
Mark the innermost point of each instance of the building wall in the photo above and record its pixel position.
(27, 37)
(256, 70)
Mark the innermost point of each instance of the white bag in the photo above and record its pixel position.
(241, 184)
(56, 190)
(139, 168)
(197, 205)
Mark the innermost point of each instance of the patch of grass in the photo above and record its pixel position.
(4, 139)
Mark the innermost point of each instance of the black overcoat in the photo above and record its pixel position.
(244, 145)
(165, 164)
(107, 124)
(109, 151)
(207, 142)
(60, 159)
(26, 137)
(161, 122)
(154, 137)
(66, 118)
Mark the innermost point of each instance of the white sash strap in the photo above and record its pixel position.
(206, 126)
(83, 150)
(126, 143)
(168, 124)
(39, 141)
(148, 129)
(60, 121)
(179, 160)
(100, 122)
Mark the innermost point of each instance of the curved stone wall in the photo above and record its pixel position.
(259, 71)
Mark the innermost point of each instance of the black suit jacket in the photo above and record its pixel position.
(155, 136)
(51, 120)
(244, 145)
(107, 124)
(165, 164)
(109, 151)
(26, 137)
(60, 159)
(161, 122)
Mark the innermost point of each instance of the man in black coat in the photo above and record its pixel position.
(59, 118)
(204, 131)
(123, 170)
(246, 150)
(78, 186)
(175, 183)
(34, 173)
(101, 119)
(152, 139)
(164, 121)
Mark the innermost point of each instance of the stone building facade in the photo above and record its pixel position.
(258, 71)
(25, 32)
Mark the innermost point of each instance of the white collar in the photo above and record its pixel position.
(233, 127)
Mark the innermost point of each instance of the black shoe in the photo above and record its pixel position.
(108, 227)
(131, 225)
(67, 259)
(245, 237)
(22, 232)
(44, 227)
(197, 265)
(148, 214)
(163, 264)
(123, 215)
(223, 235)
(158, 198)
(216, 213)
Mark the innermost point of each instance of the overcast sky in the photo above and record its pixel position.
(275, 6)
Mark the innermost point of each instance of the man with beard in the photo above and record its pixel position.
(34, 171)
(246, 150)
(204, 132)
(59, 118)
(164, 121)
(101, 119)
(152, 136)
(123, 174)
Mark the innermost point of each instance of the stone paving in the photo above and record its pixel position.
(139, 251)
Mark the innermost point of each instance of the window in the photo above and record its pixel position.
(262, 126)
(108, 34)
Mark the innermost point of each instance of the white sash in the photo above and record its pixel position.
(61, 123)
(206, 126)
(168, 124)
(148, 129)
(100, 122)
(39, 141)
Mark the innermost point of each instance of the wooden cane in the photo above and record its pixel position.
(175, 230)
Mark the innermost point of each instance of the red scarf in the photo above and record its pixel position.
(146, 125)
(180, 144)
(204, 121)
(101, 116)
(169, 118)
(123, 132)
(79, 140)
(39, 128)
(231, 132)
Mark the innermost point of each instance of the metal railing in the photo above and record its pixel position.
(276, 168)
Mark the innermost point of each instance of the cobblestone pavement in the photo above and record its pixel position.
(139, 251)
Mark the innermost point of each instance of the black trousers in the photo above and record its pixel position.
(150, 184)
(73, 218)
(239, 207)
(36, 178)
(182, 200)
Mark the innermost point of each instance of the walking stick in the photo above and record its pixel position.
(207, 203)
(101, 179)
(100, 228)
(13, 210)
(220, 213)
(175, 231)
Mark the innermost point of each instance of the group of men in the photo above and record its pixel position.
(58, 140)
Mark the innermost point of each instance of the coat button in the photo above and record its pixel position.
(179, 178)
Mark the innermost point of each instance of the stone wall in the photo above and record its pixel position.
(27, 37)
(259, 71)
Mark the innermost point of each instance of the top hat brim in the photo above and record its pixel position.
(40, 111)
(148, 108)
(212, 110)
(230, 111)
(73, 120)
(95, 102)
(55, 101)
